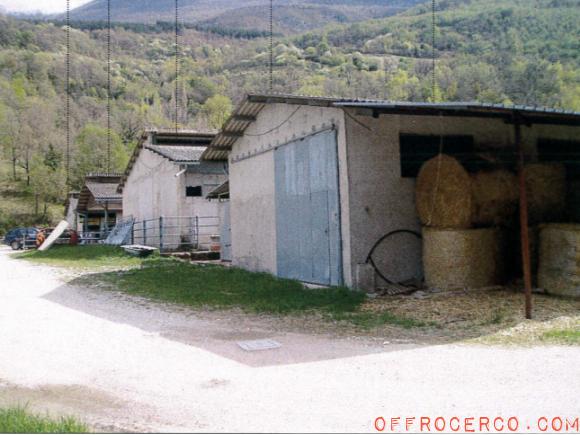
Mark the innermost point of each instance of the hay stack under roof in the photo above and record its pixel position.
(546, 191)
(559, 271)
(462, 258)
(495, 197)
(443, 194)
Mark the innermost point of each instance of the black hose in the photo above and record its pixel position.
(378, 243)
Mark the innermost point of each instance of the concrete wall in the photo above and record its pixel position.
(382, 201)
(252, 182)
(199, 206)
(152, 190)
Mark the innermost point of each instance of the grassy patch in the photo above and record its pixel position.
(218, 287)
(208, 286)
(18, 420)
(90, 256)
(563, 336)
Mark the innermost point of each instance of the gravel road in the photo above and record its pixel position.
(125, 364)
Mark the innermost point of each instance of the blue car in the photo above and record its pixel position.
(20, 238)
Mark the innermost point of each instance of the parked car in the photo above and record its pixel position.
(20, 238)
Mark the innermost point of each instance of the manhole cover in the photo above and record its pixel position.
(252, 346)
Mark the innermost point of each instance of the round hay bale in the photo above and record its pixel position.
(495, 197)
(443, 194)
(559, 271)
(462, 258)
(546, 191)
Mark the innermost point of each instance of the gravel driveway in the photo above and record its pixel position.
(126, 364)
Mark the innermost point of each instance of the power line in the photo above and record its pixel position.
(108, 86)
(177, 65)
(271, 46)
(67, 103)
(433, 57)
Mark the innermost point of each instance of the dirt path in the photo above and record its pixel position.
(122, 363)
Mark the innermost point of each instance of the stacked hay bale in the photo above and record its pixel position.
(546, 191)
(454, 254)
(559, 271)
(463, 215)
(495, 198)
(462, 258)
(443, 194)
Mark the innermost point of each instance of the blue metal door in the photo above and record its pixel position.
(308, 210)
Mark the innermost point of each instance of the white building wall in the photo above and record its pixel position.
(252, 182)
(152, 190)
(199, 206)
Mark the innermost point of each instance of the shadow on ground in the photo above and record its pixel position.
(303, 339)
(445, 318)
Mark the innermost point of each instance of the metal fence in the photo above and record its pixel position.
(172, 234)
(94, 237)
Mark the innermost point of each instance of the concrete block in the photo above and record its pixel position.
(365, 277)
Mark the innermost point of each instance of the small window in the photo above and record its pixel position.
(417, 149)
(193, 191)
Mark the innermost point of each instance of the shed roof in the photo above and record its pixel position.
(182, 147)
(178, 153)
(220, 192)
(248, 111)
(100, 187)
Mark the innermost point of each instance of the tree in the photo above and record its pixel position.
(217, 109)
(400, 85)
(9, 135)
(92, 156)
(48, 184)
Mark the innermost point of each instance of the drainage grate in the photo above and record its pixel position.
(255, 345)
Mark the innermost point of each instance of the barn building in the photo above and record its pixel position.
(99, 205)
(165, 178)
(314, 183)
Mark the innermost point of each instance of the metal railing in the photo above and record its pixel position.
(93, 237)
(178, 233)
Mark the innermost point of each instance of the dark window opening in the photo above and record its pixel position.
(417, 149)
(561, 151)
(193, 191)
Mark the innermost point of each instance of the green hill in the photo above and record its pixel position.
(292, 16)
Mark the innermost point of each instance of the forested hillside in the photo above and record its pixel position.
(292, 16)
(501, 51)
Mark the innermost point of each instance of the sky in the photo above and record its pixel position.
(45, 6)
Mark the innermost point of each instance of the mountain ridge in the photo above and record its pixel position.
(291, 16)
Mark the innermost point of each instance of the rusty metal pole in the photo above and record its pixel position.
(525, 237)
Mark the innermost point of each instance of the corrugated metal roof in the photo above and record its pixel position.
(179, 146)
(457, 106)
(240, 120)
(247, 112)
(104, 191)
(101, 187)
(178, 153)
